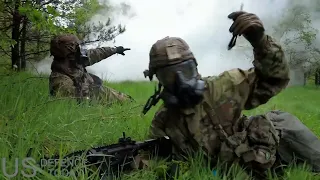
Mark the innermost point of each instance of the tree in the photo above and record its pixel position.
(28, 26)
(296, 32)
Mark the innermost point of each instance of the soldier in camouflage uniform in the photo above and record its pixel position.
(205, 113)
(69, 77)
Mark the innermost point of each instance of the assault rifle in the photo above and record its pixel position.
(112, 159)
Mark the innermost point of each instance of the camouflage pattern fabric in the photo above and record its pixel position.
(216, 125)
(297, 142)
(79, 83)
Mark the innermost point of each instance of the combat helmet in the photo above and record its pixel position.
(168, 51)
(63, 45)
(165, 52)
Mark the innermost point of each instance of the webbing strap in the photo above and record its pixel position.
(212, 115)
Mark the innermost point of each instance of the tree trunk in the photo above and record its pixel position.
(38, 36)
(15, 60)
(23, 43)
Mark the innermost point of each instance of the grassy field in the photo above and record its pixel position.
(29, 118)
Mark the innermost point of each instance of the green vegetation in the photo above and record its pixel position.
(32, 123)
(27, 26)
(29, 118)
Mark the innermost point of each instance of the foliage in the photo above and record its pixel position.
(295, 30)
(30, 119)
(28, 26)
(76, 21)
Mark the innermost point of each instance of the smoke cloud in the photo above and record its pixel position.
(202, 23)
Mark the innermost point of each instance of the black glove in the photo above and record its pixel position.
(120, 50)
(247, 24)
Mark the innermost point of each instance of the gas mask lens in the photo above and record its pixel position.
(167, 76)
(182, 88)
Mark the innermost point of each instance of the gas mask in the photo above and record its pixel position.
(81, 56)
(182, 88)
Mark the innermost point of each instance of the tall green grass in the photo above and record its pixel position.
(33, 124)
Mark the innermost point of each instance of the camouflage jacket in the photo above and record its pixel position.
(80, 83)
(225, 97)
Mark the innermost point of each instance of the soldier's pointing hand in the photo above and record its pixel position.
(120, 50)
(247, 24)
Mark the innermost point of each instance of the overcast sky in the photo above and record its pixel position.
(202, 23)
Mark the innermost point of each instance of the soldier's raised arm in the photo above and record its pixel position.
(270, 74)
(98, 54)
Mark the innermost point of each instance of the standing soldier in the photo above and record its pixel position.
(205, 113)
(69, 77)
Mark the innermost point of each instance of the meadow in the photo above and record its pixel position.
(31, 119)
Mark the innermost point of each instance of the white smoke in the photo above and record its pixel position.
(202, 23)
(41, 67)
